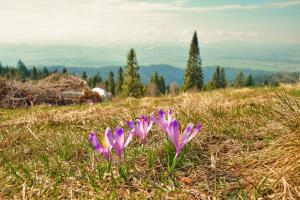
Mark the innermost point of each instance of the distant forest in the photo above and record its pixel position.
(136, 81)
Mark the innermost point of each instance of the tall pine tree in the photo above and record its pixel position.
(223, 78)
(119, 82)
(193, 77)
(44, 73)
(22, 71)
(84, 76)
(216, 79)
(154, 79)
(64, 71)
(239, 80)
(162, 85)
(132, 84)
(34, 75)
(1, 69)
(96, 79)
(110, 83)
(249, 81)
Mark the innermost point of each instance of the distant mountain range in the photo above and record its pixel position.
(170, 73)
(233, 54)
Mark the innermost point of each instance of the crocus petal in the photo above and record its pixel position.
(95, 142)
(161, 117)
(170, 114)
(128, 138)
(196, 130)
(153, 119)
(143, 124)
(150, 126)
(108, 138)
(174, 134)
(140, 127)
(119, 136)
(131, 124)
(186, 133)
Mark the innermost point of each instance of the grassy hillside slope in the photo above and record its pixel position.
(249, 146)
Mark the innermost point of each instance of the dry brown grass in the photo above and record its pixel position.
(248, 135)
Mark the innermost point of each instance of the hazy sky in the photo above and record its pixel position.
(261, 34)
(143, 21)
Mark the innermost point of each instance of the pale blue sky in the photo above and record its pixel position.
(127, 21)
(221, 24)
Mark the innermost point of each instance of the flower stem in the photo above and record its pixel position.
(172, 167)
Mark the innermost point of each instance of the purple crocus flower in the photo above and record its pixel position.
(105, 146)
(142, 126)
(162, 122)
(119, 141)
(179, 140)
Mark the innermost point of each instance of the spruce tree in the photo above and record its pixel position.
(110, 83)
(215, 82)
(193, 77)
(91, 83)
(44, 73)
(153, 88)
(223, 78)
(64, 71)
(249, 81)
(162, 85)
(22, 71)
(120, 81)
(1, 69)
(239, 80)
(132, 84)
(34, 74)
(155, 79)
(6, 72)
(84, 76)
(96, 79)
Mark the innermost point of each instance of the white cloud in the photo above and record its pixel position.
(183, 7)
(119, 21)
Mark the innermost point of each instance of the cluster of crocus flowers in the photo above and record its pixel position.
(118, 142)
(141, 127)
(105, 146)
(163, 122)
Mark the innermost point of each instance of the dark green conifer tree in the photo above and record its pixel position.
(44, 72)
(1, 69)
(96, 79)
(193, 77)
(215, 82)
(91, 83)
(23, 72)
(132, 84)
(34, 75)
(249, 81)
(84, 76)
(110, 83)
(155, 79)
(239, 80)
(223, 78)
(162, 85)
(64, 71)
(120, 81)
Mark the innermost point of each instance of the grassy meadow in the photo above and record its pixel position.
(249, 148)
